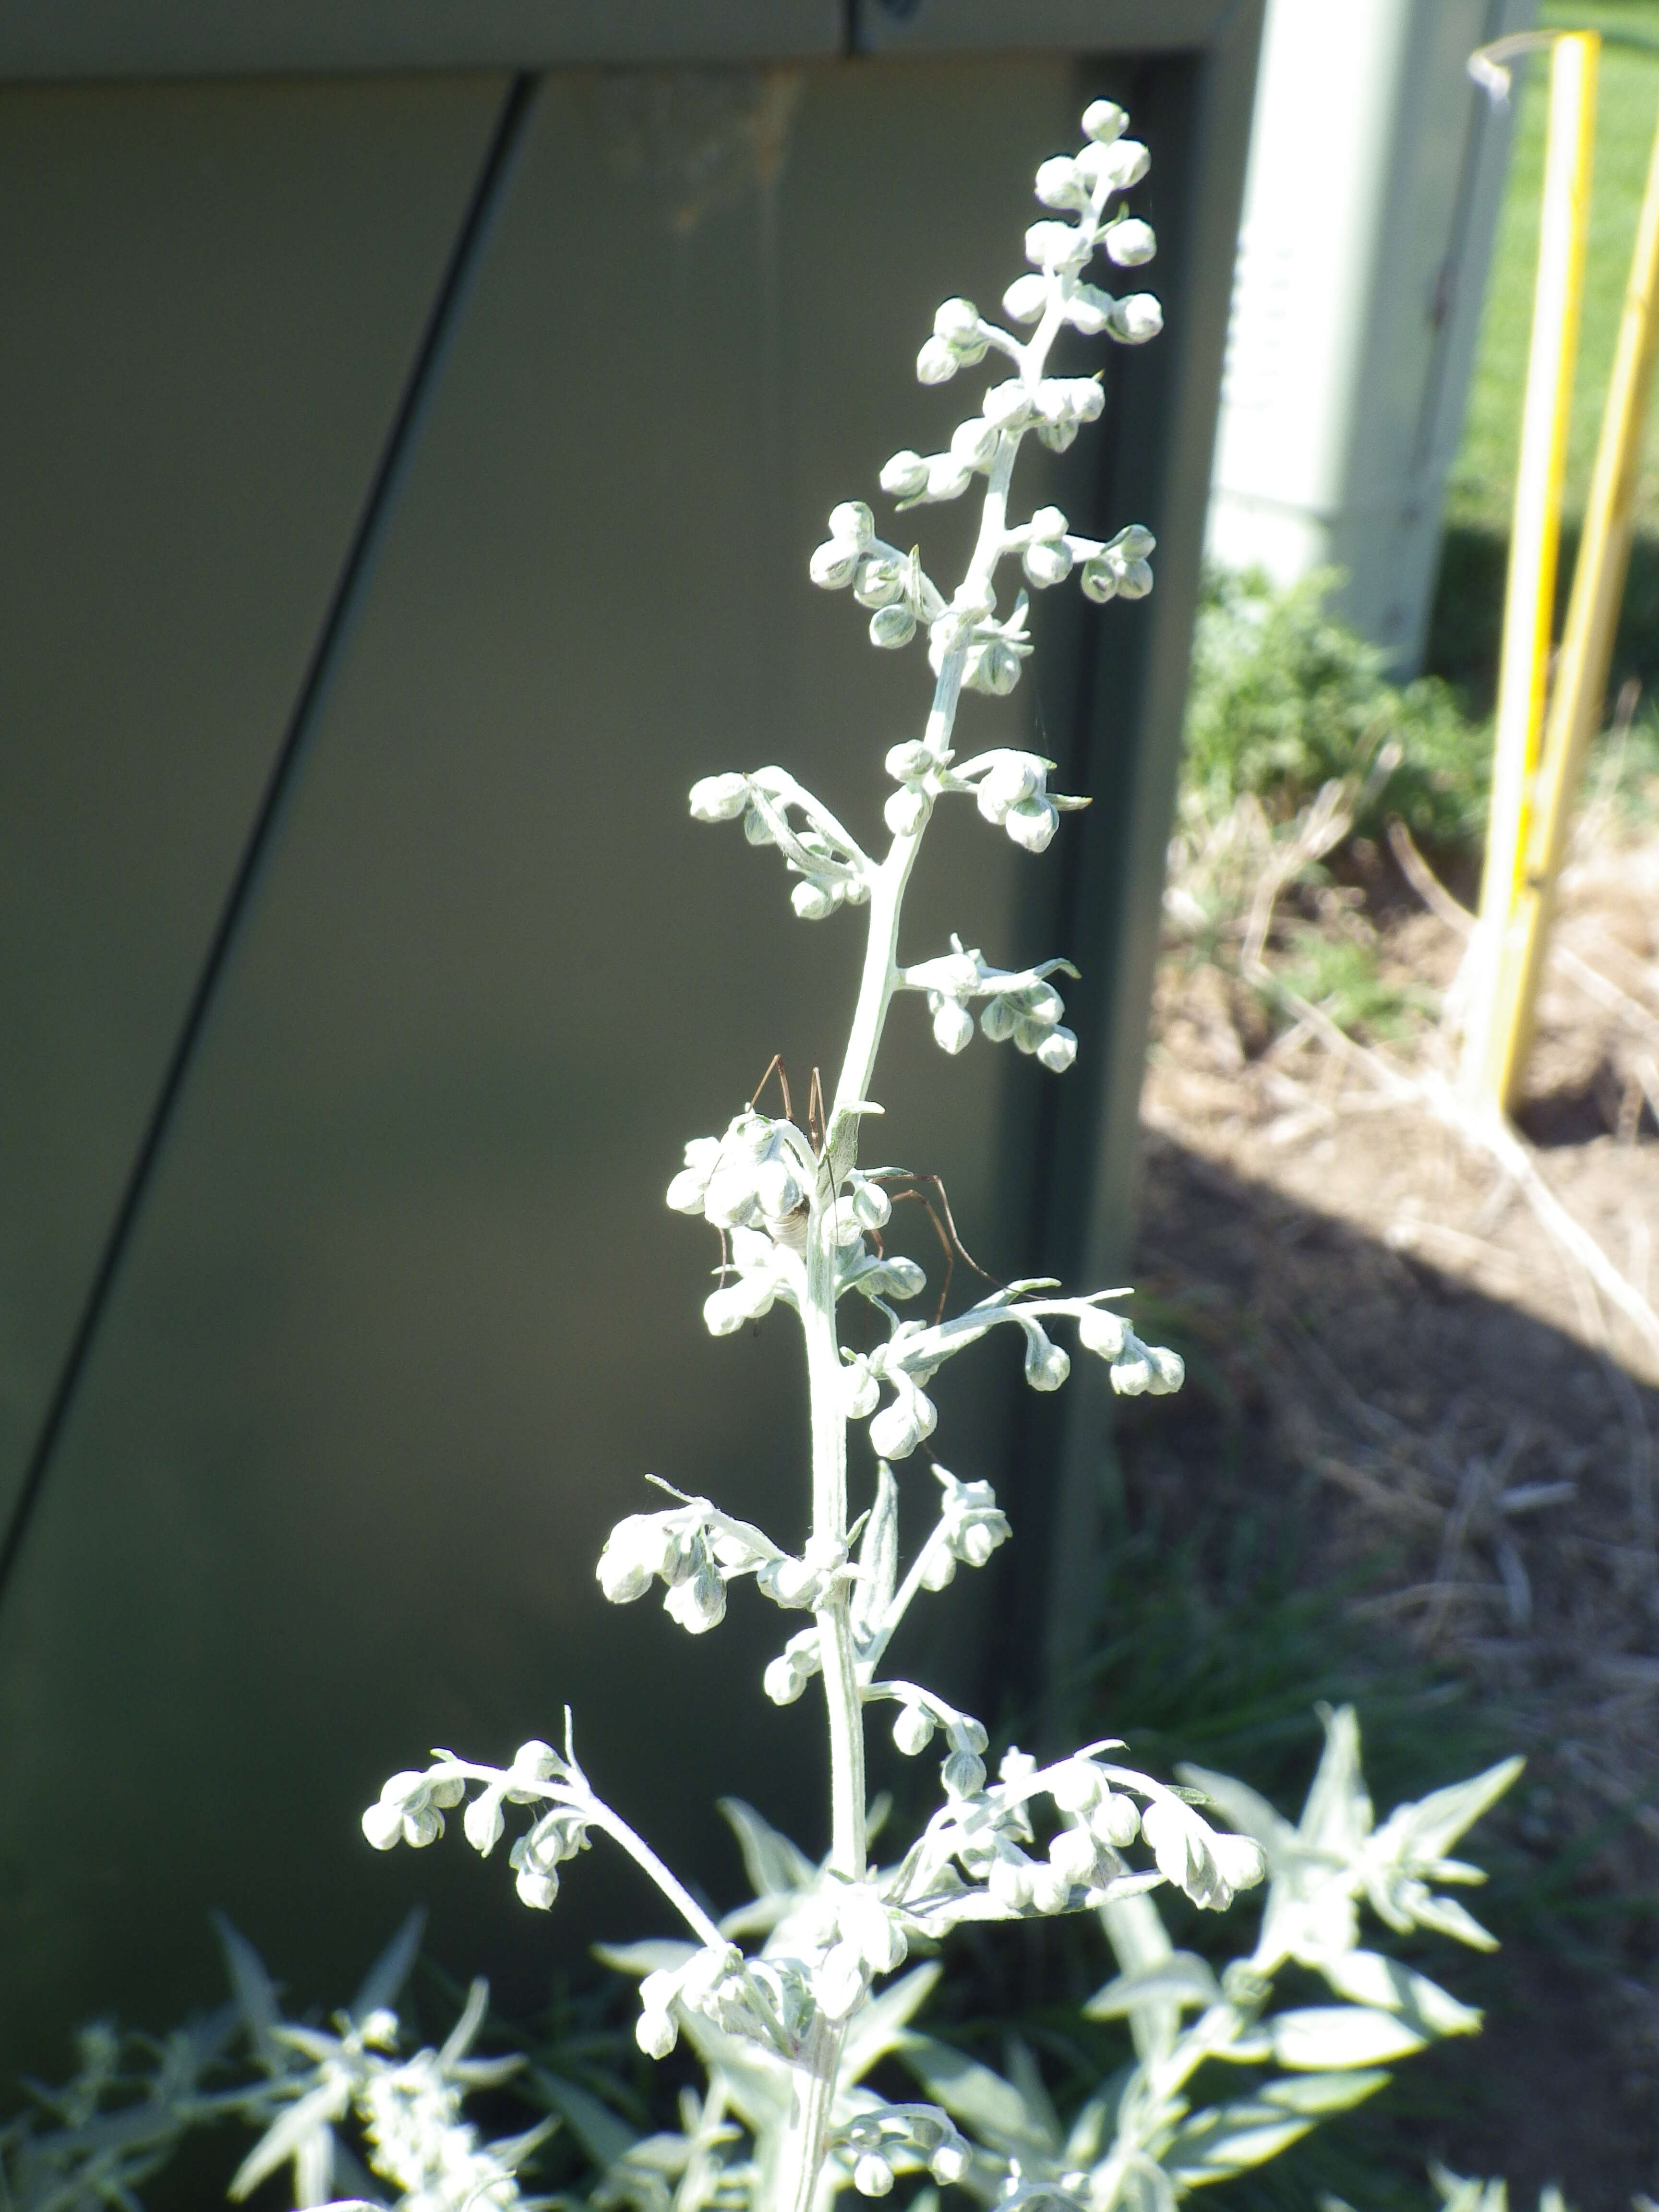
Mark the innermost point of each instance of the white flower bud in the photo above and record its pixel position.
(871, 2176)
(935, 363)
(778, 1191)
(446, 1794)
(912, 1731)
(861, 1392)
(1009, 1882)
(833, 564)
(719, 798)
(1050, 1892)
(1089, 310)
(789, 1583)
(1136, 580)
(1135, 318)
(1125, 163)
(483, 1823)
(783, 1680)
(991, 666)
(1133, 542)
(1073, 1857)
(1130, 242)
(1025, 299)
(997, 1019)
(1101, 1331)
(948, 2164)
(1132, 1374)
(852, 522)
(940, 1571)
(537, 1887)
(909, 761)
(754, 828)
(813, 900)
(1076, 1786)
(383, 1825)
(423, 1824)
(1007, 404)
(871, 1207)
(656, 2033)
(904, 475)
(878, 582)
(1046, 1366)
(838, 1984)
(699, 1602)
(899, 1427)
(1099, 580)
(1060, 184)
(685, 1193)
(974, 443)
(1046, 563)
(905, 812)
(963, 1774)
(729, 1308)
(947, 476)
(1049, 522)
(1006, 783)
(1057, 1051)
(957, 323)
(1169, 1370)
(953, 1026)
(893, 626)
(1104, 120)
(1032, 824)
(1056, 245)
(1116, 1819)
(535, 1762)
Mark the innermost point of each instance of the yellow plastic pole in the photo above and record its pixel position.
(1581, 676)
(1528, 603)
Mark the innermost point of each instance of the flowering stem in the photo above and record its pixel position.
(600, 1815)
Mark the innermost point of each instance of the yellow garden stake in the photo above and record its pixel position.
(1529, 597)
(1581, 676)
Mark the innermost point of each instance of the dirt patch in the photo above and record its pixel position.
(1404, 1355)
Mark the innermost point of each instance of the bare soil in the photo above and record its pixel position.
(1404, 1357)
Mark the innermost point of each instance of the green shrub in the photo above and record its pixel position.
(1285, 697)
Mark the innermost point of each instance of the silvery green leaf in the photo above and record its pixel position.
(314, 2168)
(287, 2138)
(1447, 1918)
(386, 1977)
(774, 1865)
(1183, 1979)
(1367, 1978)
(1223, 2140)
(883, 2025)
(1430, 1827)
(878, 1559)
(758, 2083)
(973, 2093)
(1337, 1817)
(1317, 2036)
(1323, 2092)
(654, 1956)
(255, 1995)
(461, 2037)
(604, 2136)
(1040, 2113)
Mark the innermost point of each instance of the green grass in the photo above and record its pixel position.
(1482, 483)
(1468, 605)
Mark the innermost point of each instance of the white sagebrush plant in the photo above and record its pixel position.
(789, 2029)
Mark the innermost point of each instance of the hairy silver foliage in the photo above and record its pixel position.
(790, 2027)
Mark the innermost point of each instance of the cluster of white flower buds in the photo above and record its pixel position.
(921, 1714)
(897, 2139)
(833, 869)
(411, 1806)
(1054, 408)
(1022, 1004)
(989, 1835)
(694, 1550)
(1137, 1369)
